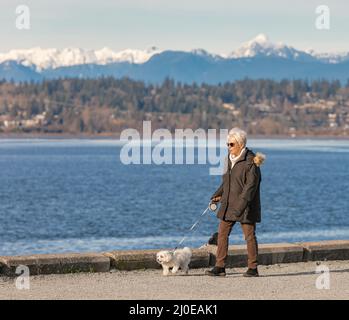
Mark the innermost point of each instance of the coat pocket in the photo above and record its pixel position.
(239, 206)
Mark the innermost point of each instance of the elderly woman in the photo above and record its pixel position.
(240, 201)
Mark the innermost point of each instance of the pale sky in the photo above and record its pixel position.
(218, 26)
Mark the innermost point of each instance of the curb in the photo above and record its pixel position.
(55, 263)
(274, 253)
(146, 259)
(326, 250)
(133, 259)
(267, 254)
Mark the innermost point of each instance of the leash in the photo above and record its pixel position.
(212, 207)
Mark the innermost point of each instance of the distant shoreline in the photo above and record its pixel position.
(65, 136)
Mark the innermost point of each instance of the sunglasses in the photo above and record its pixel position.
(230, 144)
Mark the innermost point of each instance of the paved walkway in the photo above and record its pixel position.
(285, 281)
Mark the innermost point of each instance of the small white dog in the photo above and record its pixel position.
(180, 258)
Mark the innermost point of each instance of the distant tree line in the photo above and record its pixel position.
(109, 105)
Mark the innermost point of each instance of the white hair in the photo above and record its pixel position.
(240, 136)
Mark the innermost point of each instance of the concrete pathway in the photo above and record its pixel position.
(284, 281)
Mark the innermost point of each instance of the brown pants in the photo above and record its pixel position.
(249, 231)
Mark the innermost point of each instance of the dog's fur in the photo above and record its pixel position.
(180, 258)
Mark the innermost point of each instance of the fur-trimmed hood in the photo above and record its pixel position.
(259, 159)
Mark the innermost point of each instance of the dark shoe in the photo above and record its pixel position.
(251, 273)
(216, 271)
(214, 239)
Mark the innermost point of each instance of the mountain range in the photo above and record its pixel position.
(257, 58)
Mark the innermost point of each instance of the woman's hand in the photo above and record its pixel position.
(216, 199)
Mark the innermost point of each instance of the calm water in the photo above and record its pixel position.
(76, 195)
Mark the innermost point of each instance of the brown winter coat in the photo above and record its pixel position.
(240, 189)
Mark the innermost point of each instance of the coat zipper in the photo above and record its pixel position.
(230, 170)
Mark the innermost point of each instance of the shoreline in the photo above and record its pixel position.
(64, 136)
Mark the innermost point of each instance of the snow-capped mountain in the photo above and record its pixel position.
(106, 55)
(41, 59)
(255, 59)
(262, 46)
(206, 54)
(329, 57)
